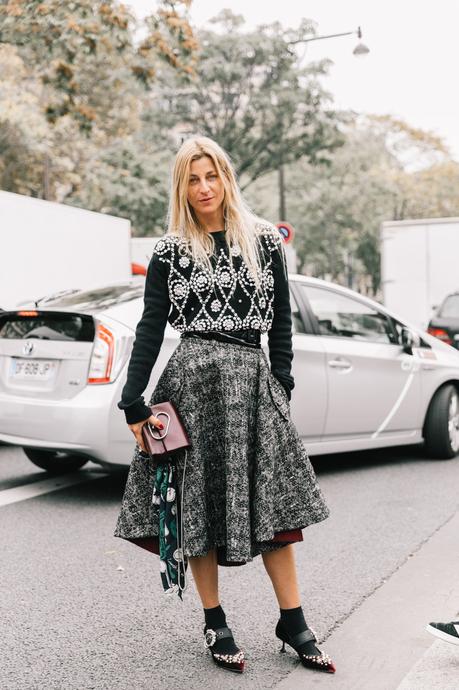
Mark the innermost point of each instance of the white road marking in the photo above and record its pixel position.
(21, 493)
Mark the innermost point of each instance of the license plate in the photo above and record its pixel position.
(32, 369)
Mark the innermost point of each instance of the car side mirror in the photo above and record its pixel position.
(409, 339)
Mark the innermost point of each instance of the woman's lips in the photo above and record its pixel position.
(205, 201)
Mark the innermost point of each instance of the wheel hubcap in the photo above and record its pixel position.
(453, 422)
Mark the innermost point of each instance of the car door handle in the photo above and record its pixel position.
(340, 364)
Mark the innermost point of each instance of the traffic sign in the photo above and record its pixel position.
(287, 231)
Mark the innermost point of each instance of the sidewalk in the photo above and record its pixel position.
(383, 645)
(437, 669)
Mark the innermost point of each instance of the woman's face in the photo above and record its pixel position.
(205, 189)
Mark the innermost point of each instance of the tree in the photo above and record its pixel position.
(423, 182)
(338, 208)
(386, 170)
(130, 179)
(251, 95)
(90, 77)
(23, 127)
(85, 55)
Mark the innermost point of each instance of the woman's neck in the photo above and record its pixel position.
(213, 223)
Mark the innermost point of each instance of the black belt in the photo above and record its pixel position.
(250, 336)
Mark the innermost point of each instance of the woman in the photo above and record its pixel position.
(219, 276)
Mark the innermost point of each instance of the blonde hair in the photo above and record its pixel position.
(241, 224)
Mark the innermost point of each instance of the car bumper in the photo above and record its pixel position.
(88, 424)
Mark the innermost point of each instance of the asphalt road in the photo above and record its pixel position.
(81, 609)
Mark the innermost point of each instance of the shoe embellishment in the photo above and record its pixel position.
(230, 658)
(322, 658)
(320, 661)
(232, 662)
(210, 637)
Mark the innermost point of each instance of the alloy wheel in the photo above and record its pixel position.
(453, 422)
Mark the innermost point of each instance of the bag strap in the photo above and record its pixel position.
(183, 562)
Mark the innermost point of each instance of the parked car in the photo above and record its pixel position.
(364, 377)
(444, 324)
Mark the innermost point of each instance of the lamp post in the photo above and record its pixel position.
(359, 50)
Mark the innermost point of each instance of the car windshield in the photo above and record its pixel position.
(100, 298)
(450, 307)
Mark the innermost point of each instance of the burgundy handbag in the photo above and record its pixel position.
(174, 437)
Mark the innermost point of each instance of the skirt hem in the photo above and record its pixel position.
(146, 539)
(281, 539)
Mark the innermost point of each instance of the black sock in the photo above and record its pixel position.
(294, 622)
(215, 618)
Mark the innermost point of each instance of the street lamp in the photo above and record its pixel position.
(360, 48)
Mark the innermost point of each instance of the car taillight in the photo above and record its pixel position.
(112, 347)
(100, 366)
(441, 334)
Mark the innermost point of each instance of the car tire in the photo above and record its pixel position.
(55, 461)
(441, 428)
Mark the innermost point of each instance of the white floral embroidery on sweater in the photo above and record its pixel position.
(225, 301)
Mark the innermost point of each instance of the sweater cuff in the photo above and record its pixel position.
(288, 392)
(136, 412)
(286, 381)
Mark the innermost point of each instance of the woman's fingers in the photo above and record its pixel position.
(137, 430)
(140, 442)
(155, 421)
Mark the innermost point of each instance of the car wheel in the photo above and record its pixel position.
(441, 430)
(55, 461)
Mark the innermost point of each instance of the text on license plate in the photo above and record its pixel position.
(32, 369)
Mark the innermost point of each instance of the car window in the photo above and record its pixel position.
(25, 325)
(344, 317)
(450, 307)
(297, 321)
(98, 298)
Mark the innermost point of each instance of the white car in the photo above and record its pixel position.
(364, 377)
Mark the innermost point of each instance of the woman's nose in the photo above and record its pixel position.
(204, 186)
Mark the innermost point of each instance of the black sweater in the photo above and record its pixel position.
(180, 292)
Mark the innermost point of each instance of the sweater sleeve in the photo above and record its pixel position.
(280, 333)
(149, 336)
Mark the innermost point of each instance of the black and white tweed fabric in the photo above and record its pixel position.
(247, 474)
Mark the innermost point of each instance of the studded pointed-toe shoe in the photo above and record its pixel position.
(232, 662)
(319, 662)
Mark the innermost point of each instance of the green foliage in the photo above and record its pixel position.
(337, 209)
(129, 180)
(86, 58)
(74, 88)
(251, 95)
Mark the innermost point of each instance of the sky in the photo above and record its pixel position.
(409, 72)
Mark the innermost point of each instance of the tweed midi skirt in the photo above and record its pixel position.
(248, 485)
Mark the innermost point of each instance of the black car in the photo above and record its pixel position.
(445, 322)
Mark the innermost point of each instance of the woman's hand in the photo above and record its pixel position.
(137, 430)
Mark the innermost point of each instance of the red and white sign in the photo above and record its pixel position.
(287, 231)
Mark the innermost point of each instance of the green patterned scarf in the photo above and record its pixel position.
(173, 563)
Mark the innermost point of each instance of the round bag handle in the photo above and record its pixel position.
(155, 429)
